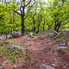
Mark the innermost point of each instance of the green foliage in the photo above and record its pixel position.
(49, 15)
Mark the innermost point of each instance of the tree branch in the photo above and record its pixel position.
(17, 13)
(28, 11)
(28, 3)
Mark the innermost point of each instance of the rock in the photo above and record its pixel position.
(55, 45)
(60, 51)
(9, 37)
(49, 35)
(56, 34)
(43, 66)
(28, 39)
(11, 47)
(46, 48)
(5, 62)
(39, 36)
(63, 43)
(16, 34)
(53, 65)
(62, 63)
(31, 34)
(59, 47)
(67, 32)
(14, 67)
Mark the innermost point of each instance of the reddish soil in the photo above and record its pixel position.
(43, 52)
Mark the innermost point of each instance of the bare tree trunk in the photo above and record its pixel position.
(22, 24)
(23, 16)
(44, 25)
(34, 28)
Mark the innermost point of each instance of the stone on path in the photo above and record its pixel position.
(49, 35)
(16, 34)
(28, 39)
(5, 62)
(60, 51)
(11, 47)
(56, 34)
(63, 43)
(59, 47)
(14, 67)
(43, 66)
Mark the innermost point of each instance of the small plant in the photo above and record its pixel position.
(18, 62)
(55, 39)
(22, 61)
(33, 61)
(46, 54)
(18, 44)
(5, 58)
(40, 50)
(12, 63)
(0, 47)
(27, 62)
(0, 63)
(20, 51)
(38, 56)
(13, 53)
(14, 60)
(68, 48)
(66, 42)
(4, 51)
(52, 48)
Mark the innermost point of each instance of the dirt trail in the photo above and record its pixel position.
(43, 52)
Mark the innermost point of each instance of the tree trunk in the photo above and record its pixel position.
(44, 25)
(34, 28)
(38, 27)
(22, 24)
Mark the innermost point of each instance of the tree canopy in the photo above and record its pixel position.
(33, 16)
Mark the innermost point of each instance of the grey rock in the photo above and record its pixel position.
(14, 67)
(62, 63)
(60, 51)
(56, 34)
(59, 47)
(16, 34)
(46, 48)
(39, 36)
(49, 34)
(9, 37)
(43, 66)
(11, 47)
(31, 34)
(5, 62)
(55, 45)
(63, 43)
(28, 39)
(67, 32)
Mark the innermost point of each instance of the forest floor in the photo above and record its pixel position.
(37, 51)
